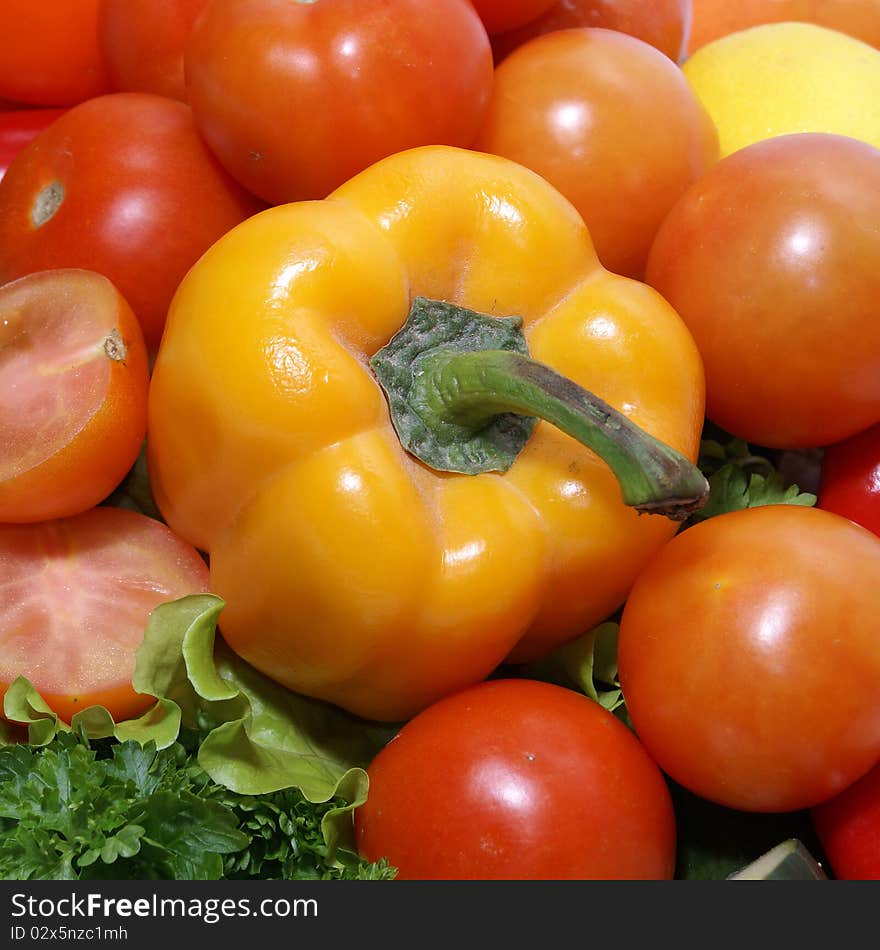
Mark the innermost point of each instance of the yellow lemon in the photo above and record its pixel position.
(787, 77)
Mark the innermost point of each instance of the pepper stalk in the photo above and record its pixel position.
(464, 396)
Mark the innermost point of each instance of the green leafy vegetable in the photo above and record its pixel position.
(71, 810)
(256, 737)
(740, 478)
(588, 664)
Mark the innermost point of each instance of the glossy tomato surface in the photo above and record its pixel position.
(848, 827)
(517, 779)
(662, 23)
(143, 41)
(122, 185)
(611, 123)
(713, 19)
(295, 98)
(749, 657)
(49, 54)
(773, 261)
(75, 599)
(20, 126)
(849, 482)
(73, 371)
(500, 15)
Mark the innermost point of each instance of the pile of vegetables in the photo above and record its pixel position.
(430, 449)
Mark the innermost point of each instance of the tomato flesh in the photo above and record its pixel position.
(74, 373)
(75, 597)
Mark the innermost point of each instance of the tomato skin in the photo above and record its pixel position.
(498, 15)
(749, 658)
(72, 330)
(295, 98)
(49, 53)
(142, 42)
(517, 779)
(581, 106)
(128, 163)
(75, 601)
(713, 19)
(849, 482)
(773, 260)
(848, 828)
(664, 24)
(19, 127)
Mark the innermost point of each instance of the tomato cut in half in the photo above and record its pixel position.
(74, 377)
(75, 596)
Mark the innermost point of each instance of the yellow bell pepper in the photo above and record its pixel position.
(351, 569)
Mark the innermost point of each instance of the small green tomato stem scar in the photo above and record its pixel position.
(465, 395)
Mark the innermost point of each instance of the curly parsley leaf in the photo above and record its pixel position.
(742, 478)
(74, 810)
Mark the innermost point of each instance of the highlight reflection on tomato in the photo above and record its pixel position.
(772, 259)
(296, 98)
(122, 185)
(517, 779)
(575, 107)
(749, 657)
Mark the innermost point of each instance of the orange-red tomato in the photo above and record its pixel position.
(295, 98)
(75, 599)
(713, 19)
(20, 126)
(517, 779)
(143, 42)
(662, 23)
(773, 260)
(73, 371)
(612, 123)
(122, 185)
(749, 657)
(49, 54)
(500, 15)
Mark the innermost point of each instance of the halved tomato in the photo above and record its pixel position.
(74, 377)
(75, 596)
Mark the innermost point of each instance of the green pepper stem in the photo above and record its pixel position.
(466, 390)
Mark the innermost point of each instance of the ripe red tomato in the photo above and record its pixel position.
(49, 53)
(773, 261)
(662, 23)
(122, 185)
(500, 15)
(612, 123)
(19, 127)
(75, 599)
(295, 98)
(848, 828)
(849, 483)
(74, 376)
(143, 42)
(517, 779)
(749, 657)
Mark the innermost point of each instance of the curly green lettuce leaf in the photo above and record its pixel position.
(257, 737)
(588, 664)
(25, 708)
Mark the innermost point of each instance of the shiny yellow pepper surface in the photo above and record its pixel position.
(352, 570)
